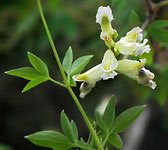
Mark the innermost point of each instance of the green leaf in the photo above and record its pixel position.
(38, 64)
(50, 139)
(100, 121)
(109, 113)
(25, 72)
(83, 144)
(66, 127)
(115, 140)
(34, 83)
(134, 20)
(67, 61)
(75, 130)
(72, 82)
(79, 64)
(125, 119)
(158, 30)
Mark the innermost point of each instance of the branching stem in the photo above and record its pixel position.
(57, 82)
(152, 11)
(66, 84)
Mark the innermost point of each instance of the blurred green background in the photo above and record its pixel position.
(72, 22)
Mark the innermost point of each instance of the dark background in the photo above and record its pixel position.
(71, 22)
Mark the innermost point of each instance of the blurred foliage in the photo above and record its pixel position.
(3, 147)
(73, 23)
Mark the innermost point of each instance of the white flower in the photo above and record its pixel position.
(131, 43)
(104, 11)
(109, 64)
(104, 17)
(92, 75)
(142, 48)
(104, 71)
(136, 71)
(89, 79)
(130, 68)
(134, 35)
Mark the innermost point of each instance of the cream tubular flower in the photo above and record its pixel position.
(136, 71)
(104, 71)
(104, 17)
(131, 43)
(104, 12)
(109, 64)
(89, 79)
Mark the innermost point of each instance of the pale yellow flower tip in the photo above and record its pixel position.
(89, 79)
(104, 11)
(136, 71)
(129, 67)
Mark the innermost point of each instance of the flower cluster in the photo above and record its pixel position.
(131, 44)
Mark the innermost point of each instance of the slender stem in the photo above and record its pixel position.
(148, 4)
(57, 82)
(65, 80)
(105, 140)
(152, 11)
(51, 40)
(85, 118)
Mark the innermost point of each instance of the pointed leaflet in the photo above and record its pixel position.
(125, 119)
(25, 72)
(115, 140)
(109, 113)
(158, 30)
(38, 64)
(66, 127)
(79, 64)
(134, 20)
(34, 83)
(75, 130)
(67, 61)
(100, 121)
(50, 139)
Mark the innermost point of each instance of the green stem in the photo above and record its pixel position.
(65, 80)
(105, 140)
(85, 118)
(56, 82)
(110, 131)
(51, 40)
